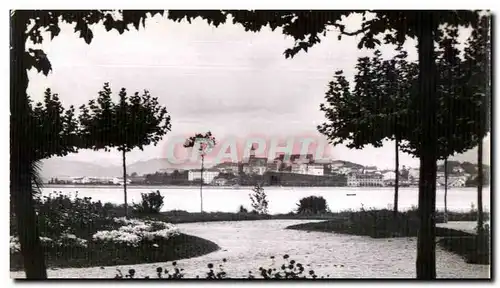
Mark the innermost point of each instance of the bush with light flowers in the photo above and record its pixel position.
(134, 231)
(78, 232)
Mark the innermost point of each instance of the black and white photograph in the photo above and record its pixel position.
(250, 144)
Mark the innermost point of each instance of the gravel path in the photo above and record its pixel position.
(249, 244)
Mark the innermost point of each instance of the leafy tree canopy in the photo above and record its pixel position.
(305, 27)
(134, 122)
(205, 141)
(53, 129)
(384, 102)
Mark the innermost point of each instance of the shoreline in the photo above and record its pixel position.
(139, 186)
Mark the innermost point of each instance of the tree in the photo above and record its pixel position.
(312, 204)
(204, 143)
(375, 109)
(28, 25)
(446, 190)
(134, 122)
(50, 130)
(259, 199)
(305, 27)
(478, 61)
(382, 105)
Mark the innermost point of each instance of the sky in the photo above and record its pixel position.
(231, 82)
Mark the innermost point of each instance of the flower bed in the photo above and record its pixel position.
(91, 236)
(135, 231)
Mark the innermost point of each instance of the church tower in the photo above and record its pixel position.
(252, 152)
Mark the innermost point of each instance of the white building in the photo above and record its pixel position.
(81, 180)
(414, 175)
(228, 167)
(453, 181)
(352, 180)
(391, 175)
(344, 170)
(208, 175)
(370, 169)
(458, 182)
(299, 168)
(119, 181)
(315, 169)
(360, 180)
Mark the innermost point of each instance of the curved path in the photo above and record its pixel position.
(249, 244)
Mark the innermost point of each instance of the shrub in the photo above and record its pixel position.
(60, 214)
(242, 209)
(151, 203)
(312, 205)
(259, 200)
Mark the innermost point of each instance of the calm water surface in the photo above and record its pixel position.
(281, 200)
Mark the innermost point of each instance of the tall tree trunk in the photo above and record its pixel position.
(446, 189)
(124, 163)
(484, 122)
(201, 184)
(21, 154)
(426, 245)
(396, 181)
(480, 180)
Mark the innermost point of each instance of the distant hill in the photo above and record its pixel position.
(468, 167)
(57, 167)
(348, 164)
(471, 155)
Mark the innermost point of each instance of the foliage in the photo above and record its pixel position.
(133, 232)
(384, 103)
(174, 178)
(467, 247)
(312, 205)
(151, 203)
(135, 121)
(105, 253)
(61, 214)
(304, 26)
(369, 222)
(289, 269)
(203, 142)
(458, 108)
(297, 24)
(79, 232)
(259, 200)
(54, 129)
(242, 209)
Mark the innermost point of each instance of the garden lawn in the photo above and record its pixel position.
(383, 224)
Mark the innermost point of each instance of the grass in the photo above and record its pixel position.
(382, 224)
(473, 248)
(180, 216)
(177, 217)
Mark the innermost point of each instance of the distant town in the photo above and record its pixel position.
(286, 170)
